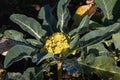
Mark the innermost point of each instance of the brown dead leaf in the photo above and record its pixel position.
(89, 10)
(2, 73)
(5, 45)
(84, 10)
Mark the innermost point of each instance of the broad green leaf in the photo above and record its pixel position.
(97, 49)
(82, 28)
(107, 6)
(17, 53)
(35, 42)
(49, 21)
(116, 40)
(14, 35)
(1, 35)
(28, 24)
(94, 25)
(72, 67)
(103, 66)
(13, 76)
(43, 56)
(97, 36)
(63, 15)
(90, 58)
(30, 74)
(75, 41)
(116, 11)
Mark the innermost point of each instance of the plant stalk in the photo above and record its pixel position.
(59, 70)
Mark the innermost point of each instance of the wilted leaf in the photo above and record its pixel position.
(5, 45)
(89, 10)
(63, 15)
(14, 35)
(28, 24)
(2, 74)
(17, 53)
(49, 21)
(82, 11)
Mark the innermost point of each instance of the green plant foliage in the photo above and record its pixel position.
(72, 67)
(63, 15)
(97, 49)
(74, 43)
(30, 74)
(82, 28)
(17, 53)
(35, 42)
(44, 56)
(1, 35)
(14, 76)
(29, 24)
(104, 66)
(116, 40)
(107, 7)
(100, 35)
(14, 35)
(92, 49)
(49, 21)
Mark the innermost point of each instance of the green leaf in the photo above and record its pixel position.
(107, 7)
(72, 67)
(1, 35)
(43, 56)
(90, 59)
(74, 43)
(97, 49)
(49, 21)
(103, 66)
(13, 76)
(82, 28)
(30, 74)
(28, 24)
(17, 53)
(116, 11)
(116, 40)
(63, 15)
(35, 42)
(97, 36)
(14, 35)
(94, 25)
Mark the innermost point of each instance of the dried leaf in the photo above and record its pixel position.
(82, 11)
(2, 73)
(5, 45)
(89, 10)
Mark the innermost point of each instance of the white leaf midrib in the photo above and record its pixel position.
(107, 12)
(28, 28)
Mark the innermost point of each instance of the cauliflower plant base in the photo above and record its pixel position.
(58, 43)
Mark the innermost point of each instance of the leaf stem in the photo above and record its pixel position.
(59, 70)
